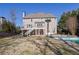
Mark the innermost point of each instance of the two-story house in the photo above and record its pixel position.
(1, 22)
(39, 24)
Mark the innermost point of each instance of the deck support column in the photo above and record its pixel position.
(35, 31)
(22, 33)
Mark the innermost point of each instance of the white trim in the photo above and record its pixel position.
(31, 28)
(38, 35)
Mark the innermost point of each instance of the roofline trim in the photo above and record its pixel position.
(37, 17)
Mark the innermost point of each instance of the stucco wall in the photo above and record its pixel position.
(0, 23)
(52, 24)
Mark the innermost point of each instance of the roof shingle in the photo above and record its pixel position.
(39, 15)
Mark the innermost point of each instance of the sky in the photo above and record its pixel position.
(55, 9)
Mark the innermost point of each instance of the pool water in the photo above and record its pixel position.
(75, 39)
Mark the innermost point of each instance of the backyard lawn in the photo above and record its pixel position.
(35, 45)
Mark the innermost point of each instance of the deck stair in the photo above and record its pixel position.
(28, 32)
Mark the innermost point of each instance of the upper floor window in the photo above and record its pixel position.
(39, 24)
(29, 25)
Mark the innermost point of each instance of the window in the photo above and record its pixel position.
(39, 24)
(41, 32)
(29, 25)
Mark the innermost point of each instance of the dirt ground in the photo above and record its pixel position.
(36, 45)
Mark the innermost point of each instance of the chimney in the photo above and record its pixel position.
(24, 14)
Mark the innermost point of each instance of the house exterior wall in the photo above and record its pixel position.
(32, 24)
(1, 21)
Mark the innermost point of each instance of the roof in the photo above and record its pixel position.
(39, 15)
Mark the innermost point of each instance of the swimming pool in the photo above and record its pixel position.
(66, 38)
(72, 39)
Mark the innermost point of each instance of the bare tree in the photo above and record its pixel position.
(13, 16)
(71, 24)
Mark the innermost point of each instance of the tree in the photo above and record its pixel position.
(9, 27)
(71, 24)
(63, 18)
(13, 16)
(69, 20)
